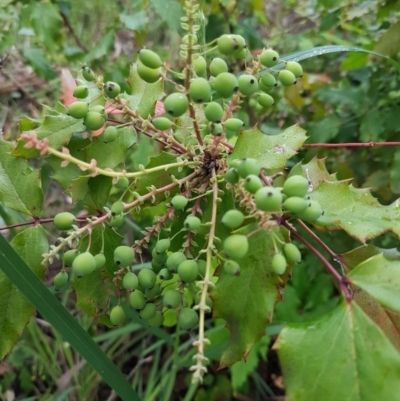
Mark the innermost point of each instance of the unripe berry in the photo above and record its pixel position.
(81, 92)
(122, 183)
(269, 58)
(137, 299)
(150, 59)
(295, 68)
(162, 245)
(188, 271)
(233, 124)
(99, 109)
(296, 185)
(202, 265)
(111, 89)
(226, 84)
(162, 123)
(174, 260)
(200, 66)
(123, 255)
(226, 44)
(240, 53)
(165, 274)
(148, 311)
(240, 42)
(268, 79)
(88, 74)
(60, 280)
(215, 129)
(278, 264)
(179, 202)
(153, 292)
(176, 104)
(63, 221)
(100, 260)
(93, 121)
(200, 90)
(117, 208)
(232, 267)
(156, 266)
(292, 253)
(185, 39)
(233, 218)
(265, 100)
(78, 110)
(232, 176)
(248, 166)
(69, 257)
(295, 204)
(110, 134)
(83, 264)
(312, 212)
(148, 75)
(253, 183)
(286, 78)
(157, 320)
(218, 66)
(248, 84)
(130, 281)
(269, 199)
(236, 246)
(147, 278)
(160, 258)
(214, 112)
(192, 223)
(117, 315)
(187, 319)
(172, 299)
(117, 221)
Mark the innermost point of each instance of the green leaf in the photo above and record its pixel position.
(55, 313)
(389, 43)
(37, 59)
(323, 131)
(247, 301)
(15, 309)
(102, 47)
(271, 151)
(170, 11)
(143, 96)
(371, 127)
(136, 21)
(20, 186)
(395, 173)
(342, 356)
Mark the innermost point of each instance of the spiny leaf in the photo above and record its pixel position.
(341, 356)
(271, 151)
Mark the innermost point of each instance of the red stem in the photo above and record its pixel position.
(350, 144)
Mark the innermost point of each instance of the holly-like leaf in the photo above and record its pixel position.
(15, 310)
(20, 186)
(341, 356)
(143, 97)
(247, 301)
(271, 151)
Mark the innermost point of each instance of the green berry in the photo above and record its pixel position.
(312, 212)
(286, 78)
(278, 264)
(100, 260)
(248, 84)
(69, 257)
(234, 163)
(192, 223)
(200, 66)
(215, 129)
(150, 59)
(157, 320)
(268, 79)
(200, 90)
(218, 66)
(296, 185)
(110, 134)
(226, 84)
(202, 265)
(187, 319)
(162, 123)
(117, 221)
(117, 208)
(78, 110)
(176, 104)
(295, 204)
(265, 100)
(147, 278)
(81, 92)
(292, 253)
(188, 271)
(240, 43)
(240, 53)
(99, 109)
(233, 124)
(227, 44)
(63, 221)
(233, 218)
(148, 311)
(111, 89)
(137, 299)
(179, 202)
(156, 266)
(214, 112)
(88, 74)
(148, 75)
(263, 88)
(160, 258)
(93, 121)
(117, 315)
(130, 281)
(122, 183)
(165, 274)
(123, 255)
(84, 264)
(253, 183)
(269, 199)
(162, 245)
(153, 292)
(295, 68)
(232, 267)
(172, 299)
(236, 246)
(248, 166)
(174, 260)
(269, 58)
(232, 176)
(60, 280)
(185, 39)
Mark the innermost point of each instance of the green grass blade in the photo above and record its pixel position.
(55, 313)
